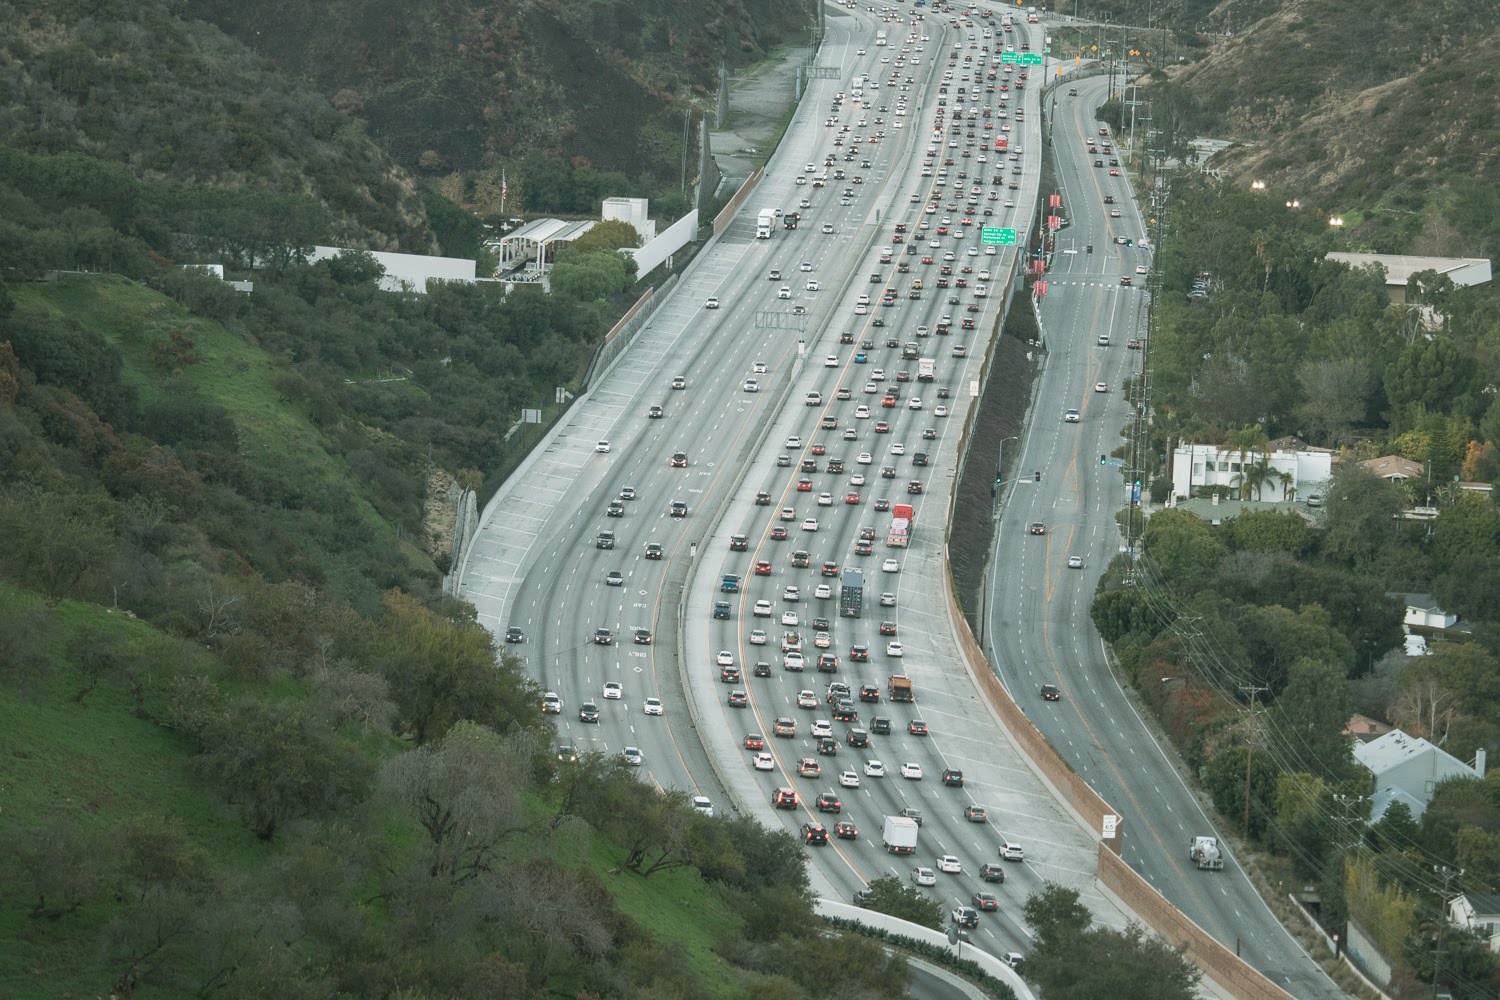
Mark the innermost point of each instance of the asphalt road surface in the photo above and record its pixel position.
(1038, 626)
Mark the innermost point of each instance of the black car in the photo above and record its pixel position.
(828, 747)
(991, 873)
(857, 738)
(828, 802)
(514, 634)
(815, 834)
(721, 609)
(762, 669)
(588, 712)
(1050, 692)
(952, 777)
(919, 458)
(845, 712)
(880, 726)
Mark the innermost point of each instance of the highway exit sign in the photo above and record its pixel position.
(1031, 58)
(996, 236)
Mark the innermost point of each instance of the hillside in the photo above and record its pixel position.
(542, 88)
(1382, 113)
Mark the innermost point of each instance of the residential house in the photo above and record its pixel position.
(1408, 769)
(1463, 271)
(1197, 468)
(1364, 729)
(1477, 913)
(1393, 467)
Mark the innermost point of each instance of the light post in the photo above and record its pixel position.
(1000, 465)
(1257, 185)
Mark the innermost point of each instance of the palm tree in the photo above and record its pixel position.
(1245, 441)
(1257, 475)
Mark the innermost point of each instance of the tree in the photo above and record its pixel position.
(1361, 512)
(1184, 549)
(467, 793)
(1124, 611)
(1467, 529)
(1430, 373)
(1396, 831)
(1276, 637)
(1255, 476)
(277, 762)
(1056, 913)
(1336, 396)
(60, 865)
(890, 895)
(1074, 961)
(1224, 780)
(1311, 714)
(1269, 531)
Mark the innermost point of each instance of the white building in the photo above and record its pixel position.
(1477, 913)
(1408, 769)
(409, 272)
(633, 211)
(1463, 271)
(1199, 466)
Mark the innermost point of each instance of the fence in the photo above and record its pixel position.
(726, 215)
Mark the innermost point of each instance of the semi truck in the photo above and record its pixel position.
(899, 534)
(900, 688)
(900, 835)
(926, 369)
(851, 594)
(1204, 852)
(764, 223)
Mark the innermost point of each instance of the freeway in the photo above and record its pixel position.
(1038, 626)
(535, 565)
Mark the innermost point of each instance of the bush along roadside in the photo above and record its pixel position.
(934, 953)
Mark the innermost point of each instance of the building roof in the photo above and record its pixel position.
(1483, 904)
(1400, 267)
(1394, 749)
(1418, 602)
(1393, 467)
(1364, 728)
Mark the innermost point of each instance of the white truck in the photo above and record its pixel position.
(925, 369)
(880, 38)
(1204, 852)
(900, 835)
(765, 223)
(857, 86)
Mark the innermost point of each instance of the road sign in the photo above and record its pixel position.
(997, 236)
(1010, 57)
(1031, 58)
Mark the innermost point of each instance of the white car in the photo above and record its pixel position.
(894, 648)
(1098, 387)
(806, 699)
(848, 779)
(827, 229)
(724, 659)
(809, 524)
(831, 361)
(602, 447)
(764, 762)
(924, 876)
(861, 412)
(702, 804)
(1075, 562)
(858, 479)
(613, 691)
(784, 293)
(752, 385)
(898, 448)
(790, 618)
(762, 609)
(1070, 416)
(814, 286)
(825, 499)
(759, 368)
(864, 458)
(874, 769)
(822, 591)
(1010, 851)
(633, 756)
(712, 302)
(805, 266)
(950, 865)
(890, 566)
(794, 441)
(939, 411)
(911, 771)
(821, 728)
(652, 706)
(878, 375)
(793, 661)
(758, 637)
(915, 403)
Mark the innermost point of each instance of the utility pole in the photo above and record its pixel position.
(1252, 690)
(1437, 956)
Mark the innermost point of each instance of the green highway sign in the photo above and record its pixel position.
(1010, 57)
(1031, 59)
(995, 236)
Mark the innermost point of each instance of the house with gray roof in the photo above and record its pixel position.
(1408, 769)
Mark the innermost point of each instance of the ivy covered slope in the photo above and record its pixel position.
(1383, 112)
(180, 105)
(461, 86)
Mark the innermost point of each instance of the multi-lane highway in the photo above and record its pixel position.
(1038, 626)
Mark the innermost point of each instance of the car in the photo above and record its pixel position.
(754, 741)
(986, 901)
(939, 411)
(702, 804)
(758, 368)
(604, 637)
(1101, 386)
(1051, 692)
(613, 691)
(924, 876)
(975, 814)
(751, 385)
(793, 661)
(588, 712)
(761, 609)
(953, 777)
(1037, 528)
(763, 762)
(721, 610)
(917, 727)
(632, 756)
(614, 578)
(828, 802)
(551, 703)
(965, 916)
(567, 752)
(911, 771)
(814, 834)
(679, 382)
(890, 566)
(950, 865)
(739, 699)
(602, 448)
(514, 634)
(991, 873)
(894, 648)
(789, 618)
(712, 302)
(652, 706)
(809, 768)
(724, 659)
(784, 728)
(827, 229)
(640, 636)
(810, 524)
(821, 727)
(1070, 416)
(679, 460)
(806, 699)
(845, 830)
(1011, 851)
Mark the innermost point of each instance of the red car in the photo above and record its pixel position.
(917, 727)
(763, 567)
(852, 499)
(804, 486)
(755, 741)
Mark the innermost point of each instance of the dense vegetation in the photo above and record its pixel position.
(1292, 614)
(575, 101)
